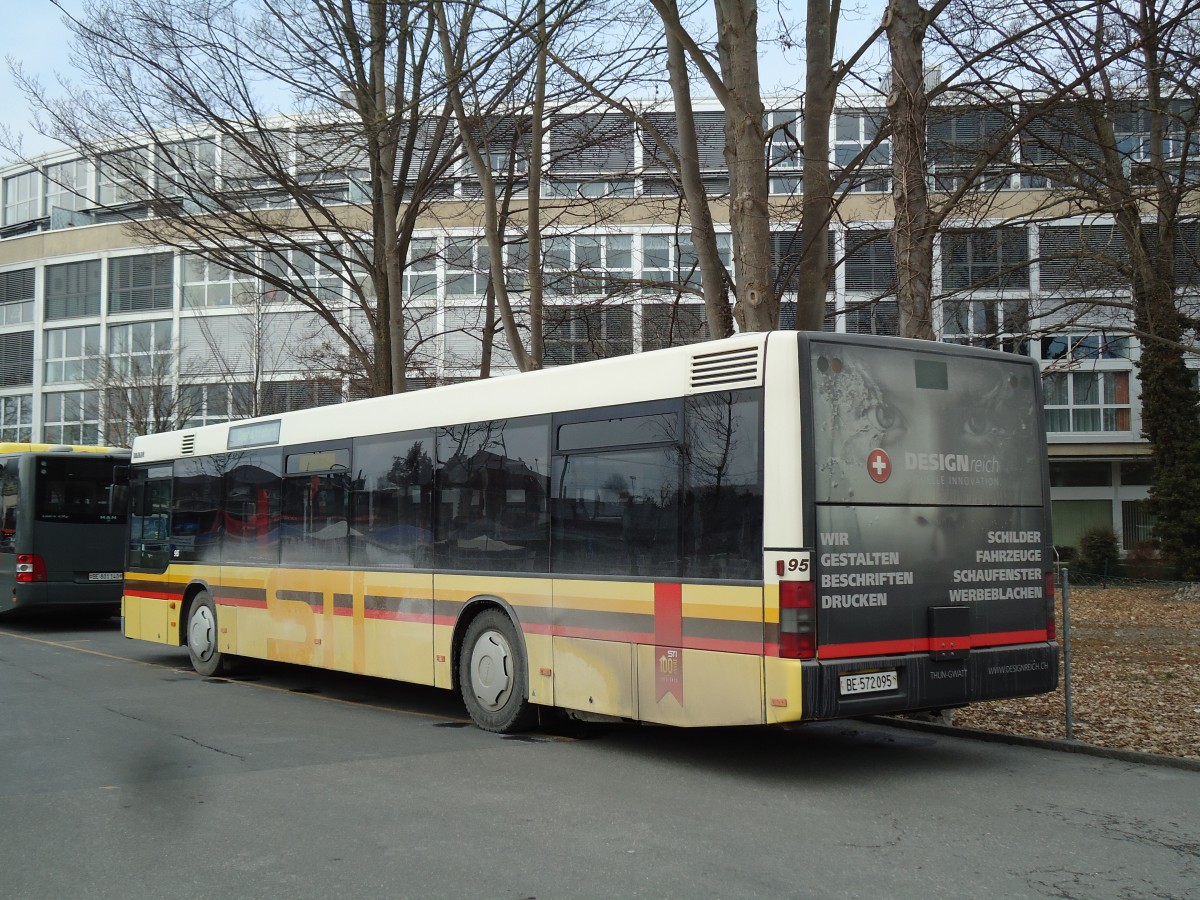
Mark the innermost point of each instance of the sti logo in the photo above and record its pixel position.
(879, 466)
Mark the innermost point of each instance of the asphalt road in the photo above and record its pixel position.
(125, 775)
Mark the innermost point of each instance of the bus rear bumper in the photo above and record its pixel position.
(922, 683)
(66, 594)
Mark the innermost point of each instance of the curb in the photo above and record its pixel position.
(1059, 744)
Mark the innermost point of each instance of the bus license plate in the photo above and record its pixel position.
(104, 576)
(869, 683)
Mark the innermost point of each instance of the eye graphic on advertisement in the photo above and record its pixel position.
(888, 416)
(977, 424)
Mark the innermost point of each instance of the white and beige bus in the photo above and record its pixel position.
(773, 528)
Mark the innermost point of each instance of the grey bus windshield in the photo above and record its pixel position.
(936, 429)
(77, 489)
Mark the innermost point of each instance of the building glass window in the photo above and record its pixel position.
(72, 417)
(577, 333)
(119, 177)
(139, 283)
(588, 263)
(72, 354)
(854, 134)
(1087, 402)
(16, 418)
(466, 267)
(669, 261)
(286, 396)
(310, 271)
(140, 349)
(1093, 345)
(16, 358)
(17, 291)
(73, 289)
(870, 262)
(420, 275)
(994, 259)
(672, 325)
(68, 185)
(21, 198)
(211, 404)
(181, 166)
(207, 283)
(986, 323)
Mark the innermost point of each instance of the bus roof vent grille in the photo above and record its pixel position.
(727, 368)
(189, 445)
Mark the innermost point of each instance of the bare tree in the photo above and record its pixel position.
(175, 110)
(136, 381)
(1118, 137)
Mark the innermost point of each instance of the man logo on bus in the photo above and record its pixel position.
(879, 465)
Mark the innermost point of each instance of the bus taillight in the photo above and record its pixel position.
(30, 567)
(797, 619)
(1051, 625)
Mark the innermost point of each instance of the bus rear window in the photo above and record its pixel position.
(78, 489)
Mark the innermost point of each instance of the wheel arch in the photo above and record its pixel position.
(471, 609)
(185, 606)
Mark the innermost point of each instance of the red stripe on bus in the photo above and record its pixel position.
(922, 645)
(152, 595)
(753, 648)
(242, 602)
(390, 616)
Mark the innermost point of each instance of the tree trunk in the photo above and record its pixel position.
(912, 233)
(704, 240)
(819, 95)
(757, 308)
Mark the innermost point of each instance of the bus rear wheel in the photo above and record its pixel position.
(493, 674)
(202, 637)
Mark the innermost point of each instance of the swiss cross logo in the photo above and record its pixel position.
(879, 465)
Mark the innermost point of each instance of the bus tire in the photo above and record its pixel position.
(201, 635)
(493, 674)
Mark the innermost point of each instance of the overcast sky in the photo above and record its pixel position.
(33, 35)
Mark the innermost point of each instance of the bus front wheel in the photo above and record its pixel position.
(201, 636)
(493, 674)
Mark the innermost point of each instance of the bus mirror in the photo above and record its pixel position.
(118, 499)
(120, 475)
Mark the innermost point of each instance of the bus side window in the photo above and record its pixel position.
(722, 527)
(148, 518)
(252, 508)
(196, 510)
(391, 503)
(493, 487)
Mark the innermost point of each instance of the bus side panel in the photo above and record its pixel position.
(151, 608)
(595, 677)
(148, 619)
(596, 625)
(784, 681)
(716, 688)
(396, 624)
(717, 676)
(696, 650)
(370, 623)
(529, 599)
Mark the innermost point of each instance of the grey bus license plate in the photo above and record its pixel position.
(104, 576)
(868, 683)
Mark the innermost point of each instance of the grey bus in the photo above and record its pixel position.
(62, 527)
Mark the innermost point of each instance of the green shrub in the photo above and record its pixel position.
(1099, 553)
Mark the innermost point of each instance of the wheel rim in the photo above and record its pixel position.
(492, 678)
(202, 633)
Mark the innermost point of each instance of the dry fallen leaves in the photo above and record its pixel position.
(1135, 675)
